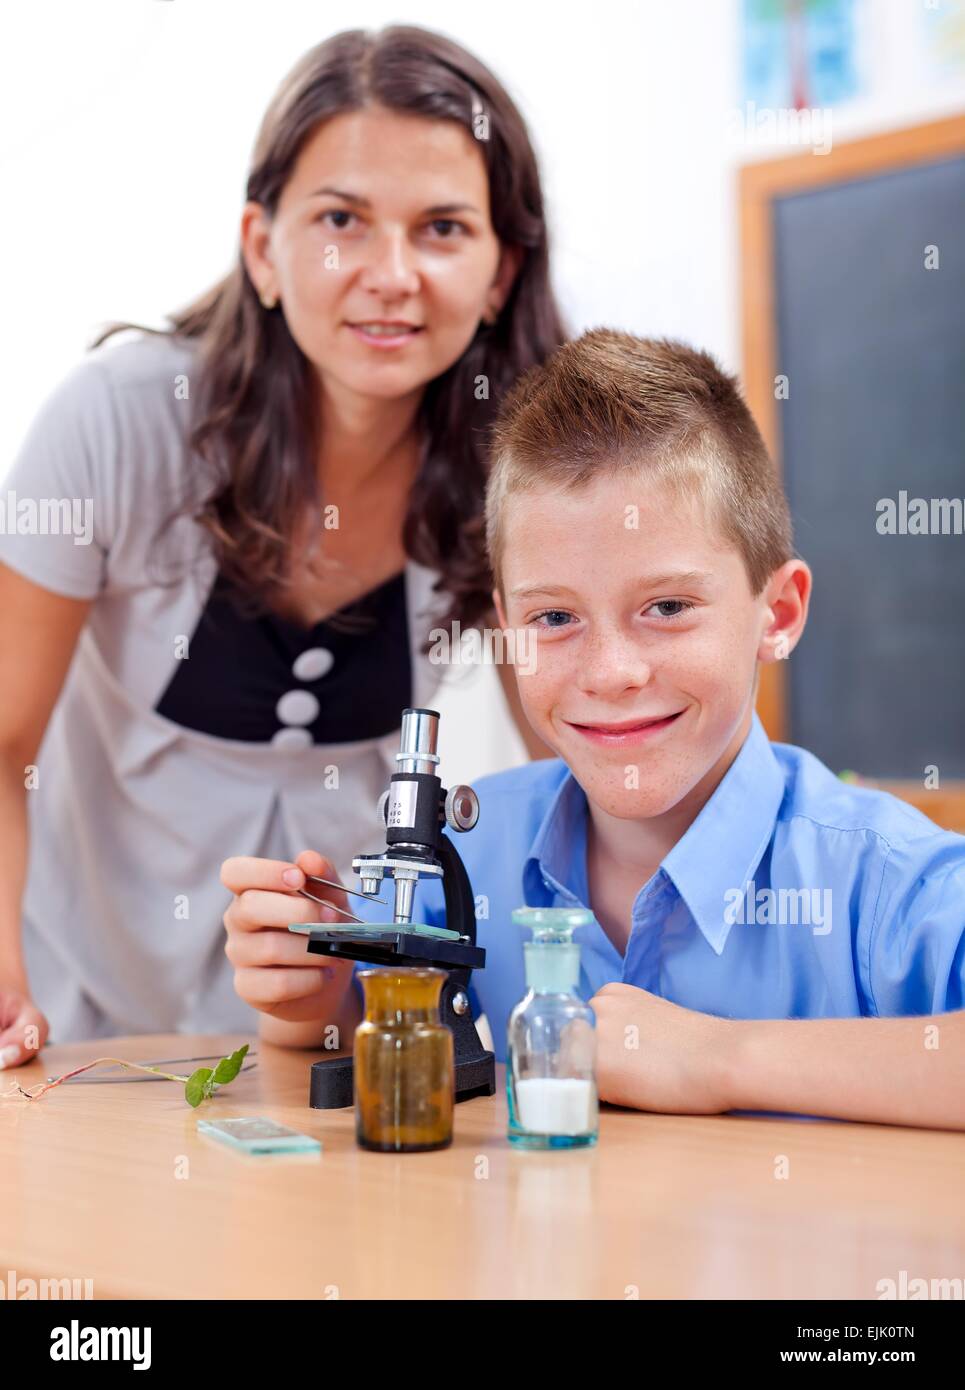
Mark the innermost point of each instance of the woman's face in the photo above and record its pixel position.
(381, 251)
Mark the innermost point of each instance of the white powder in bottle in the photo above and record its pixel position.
(555, 1104)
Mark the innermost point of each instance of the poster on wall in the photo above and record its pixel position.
(799, 54)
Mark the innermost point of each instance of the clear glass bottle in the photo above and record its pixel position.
(551, 1060)
(404, 1069)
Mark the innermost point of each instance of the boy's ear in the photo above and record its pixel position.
(500, 611)
(787, 596)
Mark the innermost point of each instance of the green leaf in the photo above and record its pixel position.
(198, 1086)
(229, 1067)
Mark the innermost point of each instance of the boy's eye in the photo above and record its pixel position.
(679, 606)
(552, 613)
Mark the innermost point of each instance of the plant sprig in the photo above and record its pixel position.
(200, 1085)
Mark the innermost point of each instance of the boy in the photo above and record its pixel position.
(766, 937)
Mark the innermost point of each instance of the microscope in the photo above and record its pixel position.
(415, 807)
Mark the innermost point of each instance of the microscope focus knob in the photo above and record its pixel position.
(462, 807)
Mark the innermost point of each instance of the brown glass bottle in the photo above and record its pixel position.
(404, 1087)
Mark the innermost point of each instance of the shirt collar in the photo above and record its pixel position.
(722, 848)
(557, 856)
(718, 853)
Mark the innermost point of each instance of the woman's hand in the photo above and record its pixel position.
(273, 970)
(654, 1055)
(23, 1028)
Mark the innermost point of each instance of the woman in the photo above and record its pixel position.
(286, 492)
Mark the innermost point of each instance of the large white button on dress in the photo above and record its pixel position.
(292, 738)
(300, 707)
(297, 707)
(312, 664)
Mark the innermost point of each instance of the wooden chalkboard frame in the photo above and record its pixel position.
(759, 185)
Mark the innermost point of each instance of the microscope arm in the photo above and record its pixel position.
(459, 900)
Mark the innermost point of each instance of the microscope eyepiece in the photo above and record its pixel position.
(420, 733)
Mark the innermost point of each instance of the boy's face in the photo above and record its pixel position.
(648, 638)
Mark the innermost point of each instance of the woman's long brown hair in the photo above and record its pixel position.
(255, 420)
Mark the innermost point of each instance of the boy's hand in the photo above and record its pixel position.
(23, 1028)
(272, 965)
(654, 1055)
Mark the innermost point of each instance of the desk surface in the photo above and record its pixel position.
(113, 1183)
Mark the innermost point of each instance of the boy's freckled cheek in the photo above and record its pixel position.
(542, 685)
(538, 692)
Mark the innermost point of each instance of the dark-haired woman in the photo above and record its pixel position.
(284, 494)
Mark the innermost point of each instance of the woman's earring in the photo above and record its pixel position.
(268, 300)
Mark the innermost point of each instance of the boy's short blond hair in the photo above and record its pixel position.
(609, 403)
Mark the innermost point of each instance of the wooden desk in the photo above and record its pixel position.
(676, 1207)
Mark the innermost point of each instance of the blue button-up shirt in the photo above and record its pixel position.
(791, 895)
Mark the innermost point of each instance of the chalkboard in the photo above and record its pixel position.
(872, 345)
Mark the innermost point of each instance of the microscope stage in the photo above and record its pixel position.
(391, 943)
(332, 931)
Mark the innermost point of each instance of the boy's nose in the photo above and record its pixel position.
(614, 670)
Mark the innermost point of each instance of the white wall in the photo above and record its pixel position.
(126, 125)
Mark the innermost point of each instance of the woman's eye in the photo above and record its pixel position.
(678, 605)
(337, 213)
(552, 613)
(444, 226)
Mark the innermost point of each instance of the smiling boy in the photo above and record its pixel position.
(766, 937)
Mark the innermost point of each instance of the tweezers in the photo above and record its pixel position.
(369, 897)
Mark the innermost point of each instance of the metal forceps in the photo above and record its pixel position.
(369, 897)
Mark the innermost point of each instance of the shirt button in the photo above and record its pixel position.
(292, 738)
(297, 707)
(312, 664)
